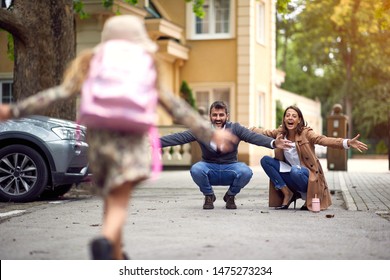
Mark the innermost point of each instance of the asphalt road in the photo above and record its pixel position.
(166, 222)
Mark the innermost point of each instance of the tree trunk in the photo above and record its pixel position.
(40, 63)
(351, 49)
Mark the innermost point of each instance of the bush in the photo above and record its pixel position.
(381, 148)
(186, 94)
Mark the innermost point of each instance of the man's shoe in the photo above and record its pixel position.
(209, 201)
(229, 199)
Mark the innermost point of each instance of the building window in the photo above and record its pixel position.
(205, 96)
(260, 23)
(217, 22)
(6, 91)
(6, 3)
(152, 10)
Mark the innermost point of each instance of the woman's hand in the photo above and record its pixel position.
(354, 143)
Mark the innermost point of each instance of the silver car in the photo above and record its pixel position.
(41, 157)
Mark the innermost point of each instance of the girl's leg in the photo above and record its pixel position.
(115, 214)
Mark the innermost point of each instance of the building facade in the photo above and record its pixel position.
(228, 55)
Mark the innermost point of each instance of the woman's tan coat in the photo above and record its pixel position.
(305, 148)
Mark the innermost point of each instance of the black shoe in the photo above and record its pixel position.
(229, 199)
(101, 249)
(284, 207)
(304, 208)
(209, 201)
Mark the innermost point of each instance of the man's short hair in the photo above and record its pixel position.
(219, 105)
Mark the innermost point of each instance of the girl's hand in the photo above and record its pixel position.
(5, 112)
(224, 140)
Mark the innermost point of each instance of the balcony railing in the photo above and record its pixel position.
(176, 156)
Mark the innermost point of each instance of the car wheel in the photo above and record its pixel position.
(56, 192)
(23, 174)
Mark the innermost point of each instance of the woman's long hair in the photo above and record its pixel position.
(301, 125)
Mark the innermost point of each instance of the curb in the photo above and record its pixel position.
(349, 202)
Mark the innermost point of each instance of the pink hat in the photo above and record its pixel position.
(129, 28)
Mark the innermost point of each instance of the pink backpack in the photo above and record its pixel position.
(120, 92)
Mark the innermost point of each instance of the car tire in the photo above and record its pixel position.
(23, 174)
(56, 192)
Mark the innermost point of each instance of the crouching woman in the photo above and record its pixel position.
(297, 172)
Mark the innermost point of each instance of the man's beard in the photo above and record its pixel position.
(222, 124)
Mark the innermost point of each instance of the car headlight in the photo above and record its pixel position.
(66, 133)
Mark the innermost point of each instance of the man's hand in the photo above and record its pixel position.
(5, 112)
(224, 140)
(282, 143)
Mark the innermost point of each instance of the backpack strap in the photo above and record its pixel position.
(156, 151)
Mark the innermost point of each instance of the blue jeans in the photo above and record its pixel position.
(235, 175)
(297, 179)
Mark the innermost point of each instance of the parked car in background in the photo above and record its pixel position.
(41, 157)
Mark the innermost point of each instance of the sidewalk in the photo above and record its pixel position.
(365, 186)
(255, 231)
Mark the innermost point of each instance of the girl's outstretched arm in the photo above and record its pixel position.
(201, 128)
(74, 77)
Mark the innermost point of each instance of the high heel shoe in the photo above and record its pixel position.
(285, 206)
(304, 208)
